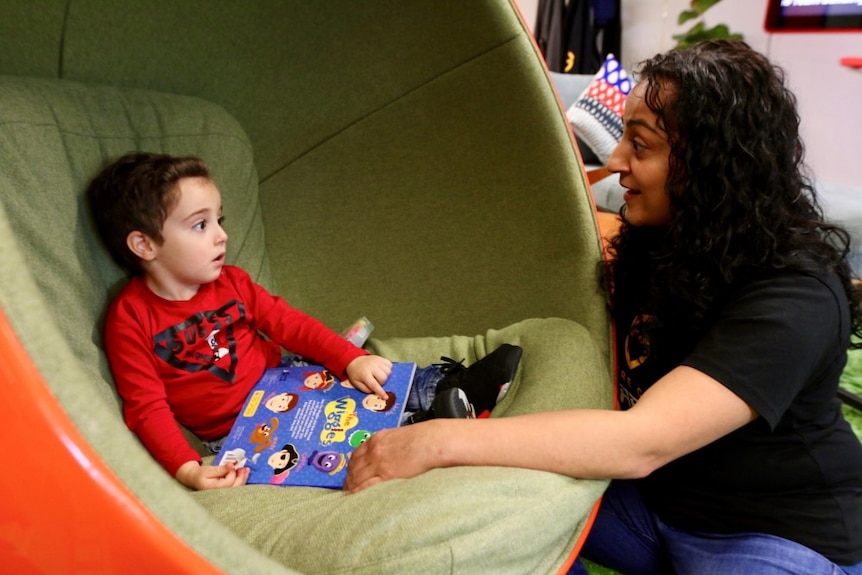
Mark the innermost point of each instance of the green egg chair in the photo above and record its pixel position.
(405, 161)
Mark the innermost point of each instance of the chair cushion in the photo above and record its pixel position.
(54, 136)
(57, 279)
(455, 517)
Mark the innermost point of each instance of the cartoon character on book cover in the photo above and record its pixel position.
(299, 426)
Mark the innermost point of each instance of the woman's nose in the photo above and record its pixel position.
(616, 162)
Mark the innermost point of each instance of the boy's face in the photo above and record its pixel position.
(193, 248)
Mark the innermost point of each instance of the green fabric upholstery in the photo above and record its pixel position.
(562, 379)
(470, 520)
(408, 162)
(478, 247)
(57, 279)
(381, 115)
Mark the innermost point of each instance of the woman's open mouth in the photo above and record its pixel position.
(630, 193)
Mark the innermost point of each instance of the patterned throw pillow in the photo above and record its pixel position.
(597, 114)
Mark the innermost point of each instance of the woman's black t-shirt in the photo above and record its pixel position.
(795, 471)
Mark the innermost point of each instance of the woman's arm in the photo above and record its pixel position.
(683, 411)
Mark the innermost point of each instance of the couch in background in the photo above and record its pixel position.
(607, 191)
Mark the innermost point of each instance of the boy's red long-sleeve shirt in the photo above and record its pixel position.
(195, 361)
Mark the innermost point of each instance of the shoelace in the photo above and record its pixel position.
(450, 365)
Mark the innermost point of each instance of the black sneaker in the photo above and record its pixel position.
(449, 403)
(486, 381)
(453, 403)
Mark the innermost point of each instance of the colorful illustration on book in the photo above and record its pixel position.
(322, 380)
(299, 426)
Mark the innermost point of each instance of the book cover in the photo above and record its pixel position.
(299, 424)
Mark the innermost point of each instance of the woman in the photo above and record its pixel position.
(734, 310)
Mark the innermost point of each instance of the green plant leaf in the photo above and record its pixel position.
(686, 15)
(682, 39)
(698, 7)
(701, 6)
(700, 32)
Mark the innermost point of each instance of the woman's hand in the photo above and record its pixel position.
(683, 411)
(199, 477)
(399, 452)
(368, 373)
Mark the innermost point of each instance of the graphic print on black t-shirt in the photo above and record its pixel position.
(205, 341)
(636, 351)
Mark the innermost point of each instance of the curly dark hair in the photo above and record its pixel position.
(741, 198)
(135, 193)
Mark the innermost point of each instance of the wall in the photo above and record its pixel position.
(830, 95)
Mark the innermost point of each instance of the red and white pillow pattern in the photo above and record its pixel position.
(597, 114)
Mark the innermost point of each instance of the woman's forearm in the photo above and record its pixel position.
(586, 443)
(682, 412)
(578, 443)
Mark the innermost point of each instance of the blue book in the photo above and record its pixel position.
(300, 424)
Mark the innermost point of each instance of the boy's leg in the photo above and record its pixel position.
(424, 388)
(424, 401)
(486, 381)
(468, 390)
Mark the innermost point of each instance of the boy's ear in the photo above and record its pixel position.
(141, 245)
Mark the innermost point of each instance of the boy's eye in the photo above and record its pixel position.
(220, 220)
(200, 226)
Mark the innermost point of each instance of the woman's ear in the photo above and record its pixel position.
(141, 245)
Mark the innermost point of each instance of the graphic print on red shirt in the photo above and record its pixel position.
(203, 342)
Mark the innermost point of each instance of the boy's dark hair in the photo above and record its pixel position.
(135, 193)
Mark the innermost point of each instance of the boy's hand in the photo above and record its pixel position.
(368, 373)
(200, 477)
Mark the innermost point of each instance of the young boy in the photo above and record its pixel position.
(185, 337)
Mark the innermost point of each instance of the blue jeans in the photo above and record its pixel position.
(629, 538)
(423, 391)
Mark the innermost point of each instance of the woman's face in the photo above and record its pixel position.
(642, 160)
